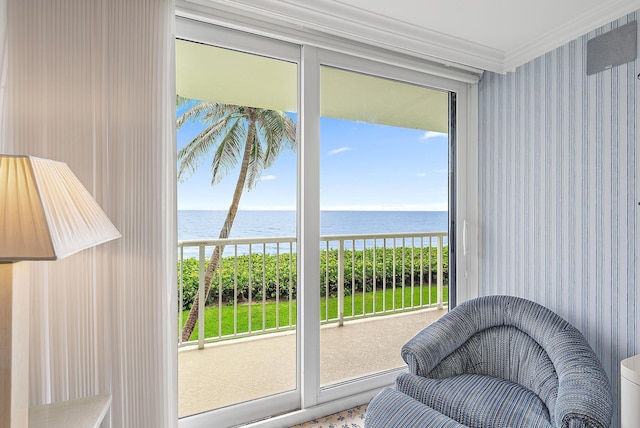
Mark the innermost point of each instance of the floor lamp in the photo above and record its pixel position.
(45, 214)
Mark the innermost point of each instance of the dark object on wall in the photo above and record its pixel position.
(617, 47)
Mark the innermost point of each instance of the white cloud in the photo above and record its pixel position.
(267, 178)
(340, 150)
(430, 134)
(421, 174)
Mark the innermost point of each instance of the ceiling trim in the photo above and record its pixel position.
(225, 14)
(573, 29)
(377, 30)
(336, 19)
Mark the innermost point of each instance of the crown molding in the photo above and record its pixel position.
(577, 27)
(337, 20)
(220, 13)
(334, 19)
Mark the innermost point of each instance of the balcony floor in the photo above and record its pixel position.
(239, 370)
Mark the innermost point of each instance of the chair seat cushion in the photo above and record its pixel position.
(478, 401)
(392, 409)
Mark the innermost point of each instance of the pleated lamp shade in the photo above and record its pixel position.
(45, 212)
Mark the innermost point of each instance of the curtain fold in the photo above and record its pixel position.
(91, 83)
(3, 69)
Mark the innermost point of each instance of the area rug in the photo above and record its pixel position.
(350, 418)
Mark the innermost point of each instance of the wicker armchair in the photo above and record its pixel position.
(497, 361)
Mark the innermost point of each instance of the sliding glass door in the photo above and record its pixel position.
(237, 187)
(384, 219)
(314, 230)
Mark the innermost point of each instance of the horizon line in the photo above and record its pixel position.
(322, 209)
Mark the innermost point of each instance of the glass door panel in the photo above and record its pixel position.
(237, 178)
(384, 220)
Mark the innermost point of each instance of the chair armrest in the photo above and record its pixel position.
(580, 376)
(430, 346)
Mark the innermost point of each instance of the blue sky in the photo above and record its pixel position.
(363, 167)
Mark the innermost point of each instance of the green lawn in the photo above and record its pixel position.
(283, 310)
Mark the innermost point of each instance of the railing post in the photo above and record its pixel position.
(201, 301)
(440, 273)
(341, 283)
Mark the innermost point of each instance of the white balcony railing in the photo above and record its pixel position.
(254, 288)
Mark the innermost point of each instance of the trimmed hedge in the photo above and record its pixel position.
(279, 273)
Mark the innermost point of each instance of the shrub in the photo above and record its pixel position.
(277, 275)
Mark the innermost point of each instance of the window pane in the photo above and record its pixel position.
(237, 169)
(384, 197)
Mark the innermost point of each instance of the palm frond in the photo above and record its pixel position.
(191, 155)
(279, 132)
(256, 162)
(181, 101)
(228, 152)
(194, 113)
(207, 112)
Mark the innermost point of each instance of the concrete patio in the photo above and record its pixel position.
(239, 370)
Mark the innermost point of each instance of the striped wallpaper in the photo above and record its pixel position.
(559, 194)
(91, 83)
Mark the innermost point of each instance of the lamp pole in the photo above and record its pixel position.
(14, 344)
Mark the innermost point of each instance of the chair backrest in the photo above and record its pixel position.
(504, 352)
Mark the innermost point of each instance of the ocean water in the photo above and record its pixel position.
(194, 224)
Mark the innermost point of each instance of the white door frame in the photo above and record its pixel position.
(309, 398)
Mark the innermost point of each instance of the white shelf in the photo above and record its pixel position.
(81, 413)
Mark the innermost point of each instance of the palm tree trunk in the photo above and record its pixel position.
(189, 326)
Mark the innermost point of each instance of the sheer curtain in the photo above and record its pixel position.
(91, 83)
(3, 69)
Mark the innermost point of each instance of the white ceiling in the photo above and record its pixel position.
(495, 35)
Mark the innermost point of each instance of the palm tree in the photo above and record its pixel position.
(255, 136)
